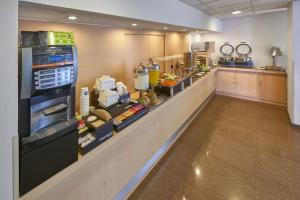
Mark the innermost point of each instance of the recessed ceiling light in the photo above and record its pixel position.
(236, 12)
(72, 17)
(165, 28)
(133, 24)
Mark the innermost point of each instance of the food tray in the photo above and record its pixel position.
(169, 90)
(101, 134)
(130, 120)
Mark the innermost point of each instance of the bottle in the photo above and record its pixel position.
(84, 101)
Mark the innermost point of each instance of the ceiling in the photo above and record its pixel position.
(223, 8)
(31, 11)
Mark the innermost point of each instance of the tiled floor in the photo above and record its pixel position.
(233, 150)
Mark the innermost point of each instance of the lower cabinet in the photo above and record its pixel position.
(246, 84)
(226, 82)
(254, 85)
(272, 87)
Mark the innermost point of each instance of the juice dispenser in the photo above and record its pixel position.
(154, 71)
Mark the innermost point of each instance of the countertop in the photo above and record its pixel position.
(252, 70)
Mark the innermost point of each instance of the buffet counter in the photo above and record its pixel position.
(106, 171)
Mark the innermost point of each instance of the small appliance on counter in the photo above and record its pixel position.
(227, 51)
(243, 50)
(141, 81)
(47, 125)
(203, 47)
(188, 64)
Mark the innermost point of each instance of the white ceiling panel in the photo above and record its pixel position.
(268, 2)
(224, 3)
(207, 1)
(192, 2)
(202, 7)
(223, 8)
(271, 6)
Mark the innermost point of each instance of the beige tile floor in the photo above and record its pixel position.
(233, 150)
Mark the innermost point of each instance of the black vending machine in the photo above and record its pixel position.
(47, 126)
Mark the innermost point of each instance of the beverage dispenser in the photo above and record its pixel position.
(47, 126)
(141, 81)
(154, 72)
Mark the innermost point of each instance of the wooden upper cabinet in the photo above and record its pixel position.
(272, 87)
(226, 82)
(246, 84)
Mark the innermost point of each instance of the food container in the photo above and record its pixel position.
(141, 77)
(170, 90)
(96, 134)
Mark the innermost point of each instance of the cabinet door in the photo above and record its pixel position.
(273, 87)
(226, 82)
(246, 84)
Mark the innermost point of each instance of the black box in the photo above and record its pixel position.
(101, 133)
(39, 164)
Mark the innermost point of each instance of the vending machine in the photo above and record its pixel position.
(47, 126)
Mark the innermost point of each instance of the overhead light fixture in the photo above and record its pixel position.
(72, 17)
(133, 24)
(165, 28)
(184, 30)
(236, 12)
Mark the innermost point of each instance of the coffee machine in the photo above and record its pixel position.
(47, 126)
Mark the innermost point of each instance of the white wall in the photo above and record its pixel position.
(290, 63)
(261, 32)
(164, 11)
(9, 93)
(294, 63)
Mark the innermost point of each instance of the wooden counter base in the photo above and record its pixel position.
(107, 170)
(253, 84)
